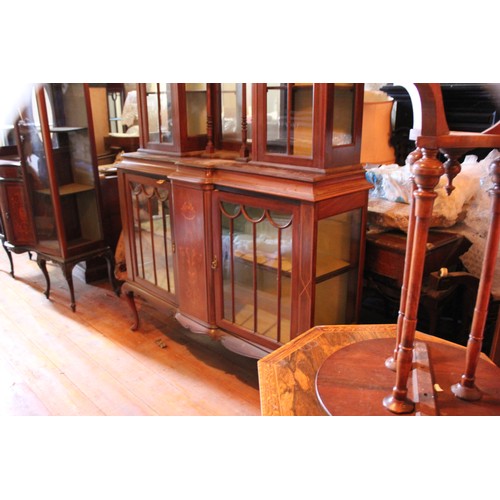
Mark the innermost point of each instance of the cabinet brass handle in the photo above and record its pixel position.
(214, 263)
(160, 181)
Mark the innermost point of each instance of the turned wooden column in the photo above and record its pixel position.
(391, 361)
(244, 150)
(210, 148)
(466, 388)
(426, 172)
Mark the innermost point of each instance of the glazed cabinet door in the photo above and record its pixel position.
(282, 267)
(254, 244)
(149, 233)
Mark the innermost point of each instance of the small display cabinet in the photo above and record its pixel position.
(173, 117)
(59, 181)
(313, 126)
(266, 212)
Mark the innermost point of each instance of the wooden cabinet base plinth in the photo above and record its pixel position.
(196, 327)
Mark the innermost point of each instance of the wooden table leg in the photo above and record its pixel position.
(391, 361)
(427, 172)
(466, 388)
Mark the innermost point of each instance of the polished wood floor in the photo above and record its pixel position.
(57, 362)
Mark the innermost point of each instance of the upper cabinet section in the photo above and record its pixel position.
(173, 117)
(208, 118)
(310, 126)
(313, 125)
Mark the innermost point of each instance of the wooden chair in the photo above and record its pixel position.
(432, 136)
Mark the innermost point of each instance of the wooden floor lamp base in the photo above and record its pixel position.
(354, 381)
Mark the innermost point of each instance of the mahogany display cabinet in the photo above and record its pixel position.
(259, 234)
(53, 200)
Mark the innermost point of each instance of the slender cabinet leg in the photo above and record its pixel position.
(110, 262)
(466, 388)
(42, 264)
(9, 255)
(427, 172)
(129, 295)
(68, 274)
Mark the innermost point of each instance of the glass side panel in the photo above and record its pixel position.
(302, 119)
(159, 112)
(152, 235)
(115, 105)
(7, 135)
(343, 114)
(337, 262)
(34, 159)
(74, 168)
(256, 269)
(290, 118)
(196, 108)
(331, 301)
(231, 110)
(277, 118)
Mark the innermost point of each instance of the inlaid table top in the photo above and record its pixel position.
(287, 376)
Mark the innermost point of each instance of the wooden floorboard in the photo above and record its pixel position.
(54, 361)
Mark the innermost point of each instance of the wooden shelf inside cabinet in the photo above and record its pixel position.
(68, 189)
(59, 130)
(265, 262)
(328, 267)
(54, 244)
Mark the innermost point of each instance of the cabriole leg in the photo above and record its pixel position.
(42, 264)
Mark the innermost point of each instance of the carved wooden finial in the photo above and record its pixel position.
(452, 168)
(427, 171)
(414, 156)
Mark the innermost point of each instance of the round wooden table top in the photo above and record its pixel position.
(354, 381)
